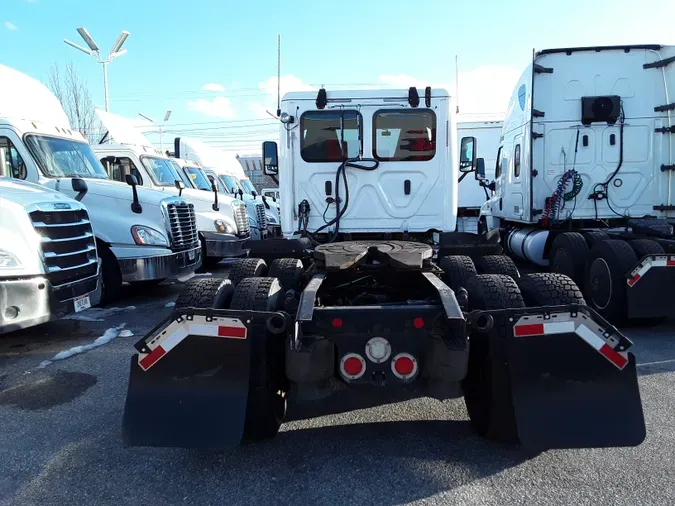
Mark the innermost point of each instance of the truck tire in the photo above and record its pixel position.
(212, 293)
(288, 271)
(594, 236)
(496, 264)
(549, 289)
(644, 247)
(605, 282)
(266, 405)
(568, 255)
(488, 402)
(457, 269)
(493, 291)
(247, 268)
(110, 276)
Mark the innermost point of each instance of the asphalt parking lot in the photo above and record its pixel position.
(61, 442)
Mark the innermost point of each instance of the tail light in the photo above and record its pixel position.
(404, 366)
(352, 366)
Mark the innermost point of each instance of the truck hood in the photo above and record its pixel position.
(113, 189)
(25, 193)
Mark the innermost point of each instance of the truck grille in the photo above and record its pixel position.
(182, 225)
(262, 218)
(241, 219)
(69, 250)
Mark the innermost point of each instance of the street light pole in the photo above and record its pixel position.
(160, 127)
(94, 51)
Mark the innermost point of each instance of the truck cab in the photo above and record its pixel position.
(230, 173)
(48, 260)
(222, 221)
(137, 237)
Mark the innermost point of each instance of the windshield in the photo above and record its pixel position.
(232, 183)
(219, 183)
(186, 180)
(198, 178)
(247, 186)
(64, 157)
(162, 171)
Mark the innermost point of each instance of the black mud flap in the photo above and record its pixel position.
(189, 380)
(650, 287)
(560, 377)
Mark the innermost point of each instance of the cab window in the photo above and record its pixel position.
(404, 136)
(498, 164)
(119, 166)
(15, 165)
(324, 132)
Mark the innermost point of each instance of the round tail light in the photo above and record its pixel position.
(352, 366)
(404, 366)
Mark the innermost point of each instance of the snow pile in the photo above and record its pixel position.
(107, 336)
(170, 304)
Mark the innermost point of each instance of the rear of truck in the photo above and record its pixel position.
(48, 261)
(534, 364)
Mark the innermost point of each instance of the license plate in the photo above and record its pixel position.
(191, 255)
(82, 303)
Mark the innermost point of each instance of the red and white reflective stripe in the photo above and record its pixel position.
(565, 323)
(648, 263)
(175, 332)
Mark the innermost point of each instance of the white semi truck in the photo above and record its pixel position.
(48, 261)
(142, 236)
(222, 221)
(485, 132)
(232, 175)
(355, 301)
(584, 180)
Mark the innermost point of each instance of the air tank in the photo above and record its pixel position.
(528, 244)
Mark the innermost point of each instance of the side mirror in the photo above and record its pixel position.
(214, 186)
(135, 204)
(270, 158)
(180, 185)
(241, 193)
(79, 186)
(480, 169)
(254, 193)
(467, 154)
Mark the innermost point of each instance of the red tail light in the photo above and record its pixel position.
(404, 366)
(352, 366)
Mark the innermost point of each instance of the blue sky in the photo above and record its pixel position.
(176, 49)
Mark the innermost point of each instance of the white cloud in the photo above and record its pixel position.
(288, 83)
(485, 89)
(219, 107)
(213, 87)
(11, 26)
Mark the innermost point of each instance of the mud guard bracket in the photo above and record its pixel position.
(649, 287)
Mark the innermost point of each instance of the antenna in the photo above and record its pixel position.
(457, 83)
(278, 75)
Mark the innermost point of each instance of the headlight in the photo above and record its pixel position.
(271, 219)
(146, 236)
(8, 260)
(223, 227)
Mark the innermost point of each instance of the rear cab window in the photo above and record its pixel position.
(323, 132)
(404, 136)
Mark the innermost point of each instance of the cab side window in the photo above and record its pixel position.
(15, 165)
(120, 166)
(498, 164)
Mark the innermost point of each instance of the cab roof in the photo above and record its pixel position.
(356, 95)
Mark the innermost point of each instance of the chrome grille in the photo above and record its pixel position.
(182, 225)
(68, 249)
(262, 218)
(241, 219)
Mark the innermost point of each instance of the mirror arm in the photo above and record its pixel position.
(215, 206)
(464, 174)
(135, 204)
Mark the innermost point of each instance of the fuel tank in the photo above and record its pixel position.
(528, 244)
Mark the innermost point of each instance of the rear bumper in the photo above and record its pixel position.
(224, 245)
(160, 266)
(35, 301)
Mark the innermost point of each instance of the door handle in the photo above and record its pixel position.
(406, 186)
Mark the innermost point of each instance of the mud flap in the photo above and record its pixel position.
(568, 376)
(650, 287)
(189, 382)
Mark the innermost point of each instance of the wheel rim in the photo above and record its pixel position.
(600, 283)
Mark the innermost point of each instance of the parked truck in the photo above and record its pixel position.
(356, 300)
(48, 261)
(584, 180)
(230, 172)
(484, 133)
(142, 236)
(222, 221)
